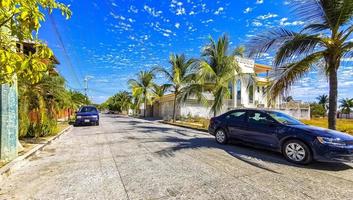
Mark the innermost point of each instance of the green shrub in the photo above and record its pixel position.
(317, 110)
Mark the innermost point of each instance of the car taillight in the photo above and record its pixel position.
(212, 120)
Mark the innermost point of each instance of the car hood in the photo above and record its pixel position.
(87, 114)
(323, 132)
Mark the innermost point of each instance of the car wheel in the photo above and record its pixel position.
(97, 123)
(297, 152)
(221, 136)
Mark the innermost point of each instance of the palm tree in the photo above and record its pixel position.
(321, 44)
(180, 75)
(346, 105)
(46, 97)
(323, 100)
(159, 91)
(216, 70)
(120, 101)
(141, 88)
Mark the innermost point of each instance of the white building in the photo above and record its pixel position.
(244, 94)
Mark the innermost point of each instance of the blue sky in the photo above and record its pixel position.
(111, 40)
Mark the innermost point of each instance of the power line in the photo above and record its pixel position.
(57, 33)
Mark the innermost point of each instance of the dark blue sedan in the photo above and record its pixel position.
(87, 115)
(299, 143)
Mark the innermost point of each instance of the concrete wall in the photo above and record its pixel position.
(8, 122)
(345, 116)
(301, 113)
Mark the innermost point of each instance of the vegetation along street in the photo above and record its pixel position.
(177, 99)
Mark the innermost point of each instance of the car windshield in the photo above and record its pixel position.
(87, 109)
(283, 118)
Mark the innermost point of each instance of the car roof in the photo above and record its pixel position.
(248, 109)
(88, 107)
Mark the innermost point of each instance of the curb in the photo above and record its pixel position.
(183, 126)
(172, 124)
(20, 161)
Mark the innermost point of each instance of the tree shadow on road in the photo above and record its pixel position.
(251, 156)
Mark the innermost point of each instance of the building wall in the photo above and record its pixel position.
(299, 113)
(345, 116)
(195, 109)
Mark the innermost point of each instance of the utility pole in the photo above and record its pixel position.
(87, 78)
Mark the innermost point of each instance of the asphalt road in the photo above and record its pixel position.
(126, 158)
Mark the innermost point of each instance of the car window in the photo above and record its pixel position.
(236, 116)
(283, 118)
(259, 118)
(87, 109)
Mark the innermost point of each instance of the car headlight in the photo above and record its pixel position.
(331, 141)
(78, 117)
(95, 116)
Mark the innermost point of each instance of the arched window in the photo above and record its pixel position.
(238, 90)
(251, 93)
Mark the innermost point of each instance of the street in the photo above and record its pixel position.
(127, 158)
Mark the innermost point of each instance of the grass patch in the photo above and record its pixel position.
(344, 125)
(29, 143)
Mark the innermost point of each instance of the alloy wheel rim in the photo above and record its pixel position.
(220, 136)
(295, 152)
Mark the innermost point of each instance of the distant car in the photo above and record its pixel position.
(299, 143)
(87, 115)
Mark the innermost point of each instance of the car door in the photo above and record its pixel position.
(261, 129)
(235, 122)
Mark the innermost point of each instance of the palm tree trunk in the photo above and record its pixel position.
(332, 112)
(174, 107)
(145, 108)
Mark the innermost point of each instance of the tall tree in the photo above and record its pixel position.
(346, 105)
(321, 44)
(179, 75)
(217, 69)
(159, 90)
(141, 88)
(19, 19)
(323, 100)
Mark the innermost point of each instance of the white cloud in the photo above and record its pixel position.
(219, 11)
(133, 9)
(207, 21)
(256, 23)
(259, 1)
(284, 22)
(247, 10)
(267, 16)
(180, 11)
(177, 25)
(152, 11)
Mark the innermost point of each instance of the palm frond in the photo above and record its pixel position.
(288, 74)
(299, 45)
(314, 27)
(268, 41)
(348, 49)
(239, 51)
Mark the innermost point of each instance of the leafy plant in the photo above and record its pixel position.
(179, 76)
(319, 45)
(142, 88)
(19, 19)
(216, 70)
